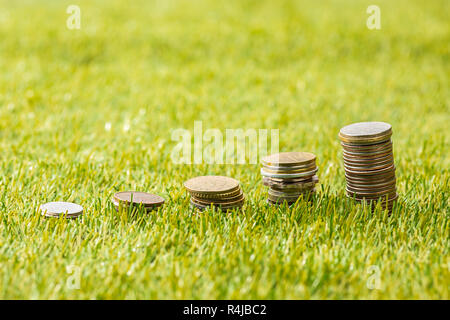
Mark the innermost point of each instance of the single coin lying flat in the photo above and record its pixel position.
(60, 208)
(137, 198)
(211, 184)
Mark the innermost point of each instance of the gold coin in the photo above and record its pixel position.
(207, 196)
(287, 159)
(229, 201)
(211, 184)
(137, 197)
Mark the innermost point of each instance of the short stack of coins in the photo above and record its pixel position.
(137, 199)
(369, 163)
(215, 191)
(289, 176)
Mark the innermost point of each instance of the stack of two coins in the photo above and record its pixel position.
(369, 162)
(289, 176)
(217, 191)
(137, 199)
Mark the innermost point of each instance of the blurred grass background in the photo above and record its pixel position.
(85, 113)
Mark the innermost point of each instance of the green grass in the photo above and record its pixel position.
(307, 68)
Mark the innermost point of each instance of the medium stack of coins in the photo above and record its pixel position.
(68, 210)
(216, 191)
(289, 175)
(369, 162)
(137, 199)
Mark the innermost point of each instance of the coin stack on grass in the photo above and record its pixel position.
(217, 191)
(289, 176)
(136, 199)
(68, 210)
(369, 162)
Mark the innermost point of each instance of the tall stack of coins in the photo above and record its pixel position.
(216, 191)
(369, 162)
(68, 210)
(136, 199)
(289, 175)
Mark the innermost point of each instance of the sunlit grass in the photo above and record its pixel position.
(85, 113)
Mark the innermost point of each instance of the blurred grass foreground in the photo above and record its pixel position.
(88, 112)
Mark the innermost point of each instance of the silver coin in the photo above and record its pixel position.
(366, 130)
(58, 208)
(289, 168)
(287, 175)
